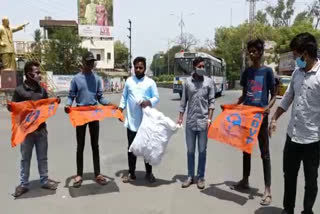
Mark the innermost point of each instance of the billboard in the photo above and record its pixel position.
(287, 62)
(95, 18)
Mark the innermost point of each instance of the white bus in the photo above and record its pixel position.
(183, 67)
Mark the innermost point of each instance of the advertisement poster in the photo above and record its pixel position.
(95, 18)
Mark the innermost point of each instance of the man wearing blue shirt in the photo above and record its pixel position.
(259, 85)
(86, 88)
(139, 92)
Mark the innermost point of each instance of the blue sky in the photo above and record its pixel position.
(153, 25)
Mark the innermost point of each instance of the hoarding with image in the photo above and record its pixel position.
(95, 18)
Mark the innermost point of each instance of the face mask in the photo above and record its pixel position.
(200, 71)
(301, 63)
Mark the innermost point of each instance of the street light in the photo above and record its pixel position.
(181, 24)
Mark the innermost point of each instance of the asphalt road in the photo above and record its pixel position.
(224, 167)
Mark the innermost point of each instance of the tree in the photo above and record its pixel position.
(186, 41)
(261, 17)
(62, 54)
(230, 44)
(282, 13)
(121, 54)
(314, 12)
(303, 17)
(159, 64)
(36, 46)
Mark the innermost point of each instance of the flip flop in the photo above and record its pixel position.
(101, 180)
(77, 184)
(266, 200)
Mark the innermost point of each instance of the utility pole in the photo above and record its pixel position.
(168, 57)
(252, 15)
(130, 39)
(181, 24)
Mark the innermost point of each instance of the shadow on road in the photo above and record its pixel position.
(221, 194)
(175, 99)
(35, 191)
(92, 188)
(140, 181)
(268, 210)
(252, 192)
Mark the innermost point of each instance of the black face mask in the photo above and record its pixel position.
(140, 76)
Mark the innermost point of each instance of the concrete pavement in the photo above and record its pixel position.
(224, 167)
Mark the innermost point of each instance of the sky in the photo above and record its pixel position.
(153, 26)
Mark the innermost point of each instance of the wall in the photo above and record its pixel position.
(103, 47)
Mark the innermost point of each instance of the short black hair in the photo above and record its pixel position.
(28, 66)
(257, 44)
(305, 42)
(140, 59)
(197, 60)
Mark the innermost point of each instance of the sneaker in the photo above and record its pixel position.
(243, 184)
(150, 177)
(201, 183)
(128, 178)
(50, 186)
(20, 190)
(187, 182)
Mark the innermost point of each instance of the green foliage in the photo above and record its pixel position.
(164, 78)
(36, 46)
(62, 54)
(159, 63)
(281, 13)
(121, 54)
(261, 17)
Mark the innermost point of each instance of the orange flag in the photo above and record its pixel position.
(85, 114)
(238, 126)
(28, 115)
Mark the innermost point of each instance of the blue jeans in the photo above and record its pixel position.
(39, 139)
(191, 137)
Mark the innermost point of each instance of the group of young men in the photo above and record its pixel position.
(198, 98)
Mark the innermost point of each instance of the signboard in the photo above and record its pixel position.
(287, 62)
(95, 18)
(62, 82)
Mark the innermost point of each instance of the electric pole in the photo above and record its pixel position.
(130, 39)
(181, 24)
(252, 15)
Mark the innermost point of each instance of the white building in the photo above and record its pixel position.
(103, 50)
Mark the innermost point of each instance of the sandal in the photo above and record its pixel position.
(77, 184)
(101, 180)
(266, 200)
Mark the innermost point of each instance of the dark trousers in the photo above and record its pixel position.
(293, 155)
(263, 139)
(94, 135)
(132, 159)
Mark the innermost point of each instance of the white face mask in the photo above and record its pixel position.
(200, 71)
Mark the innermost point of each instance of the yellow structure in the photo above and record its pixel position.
(7, 52)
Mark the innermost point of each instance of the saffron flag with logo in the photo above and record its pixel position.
(85, 114)
(238, 126)
(27, 116)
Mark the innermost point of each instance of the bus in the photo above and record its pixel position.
(183, 67)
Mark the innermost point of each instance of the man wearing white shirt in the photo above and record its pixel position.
(303, 135)
(139, 92)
